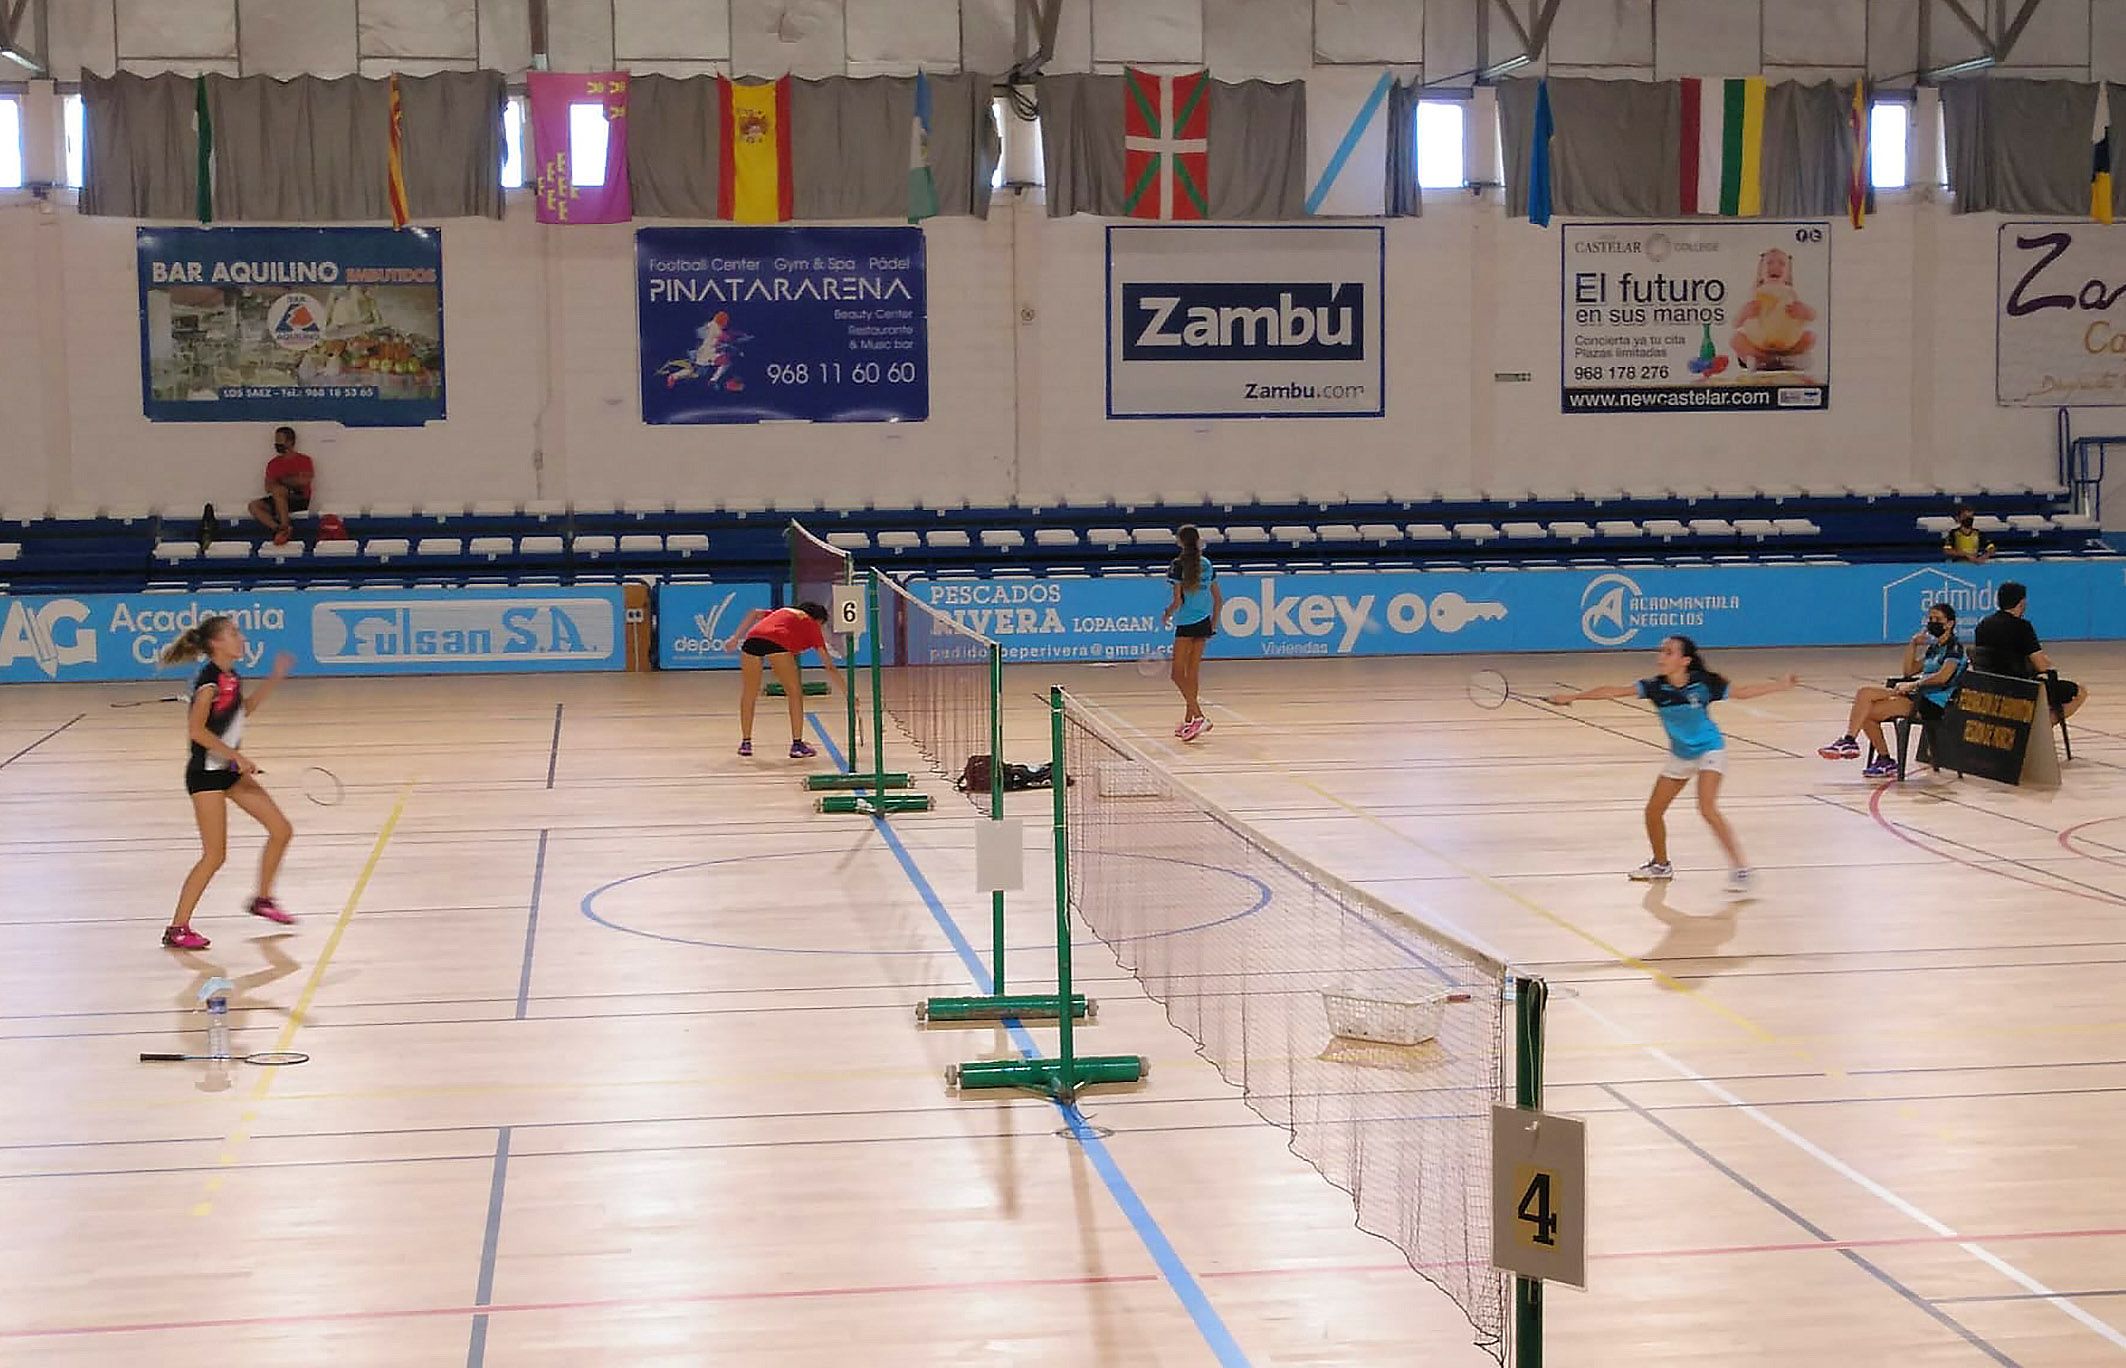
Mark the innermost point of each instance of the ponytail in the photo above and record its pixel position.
(193, 642)
(1699, 670)
(1187, 569)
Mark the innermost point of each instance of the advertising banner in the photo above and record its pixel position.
(1436, 613)
(751, 325)
(1245, 322)
(1695, 317)
(696, 623)
(2059, 328)
(92, 637)
(281, 325)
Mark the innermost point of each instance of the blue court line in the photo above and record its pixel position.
(1186, 1289)
(553, 753)
(1351, 138)
(531, 926)
(476, 1352)
(1969, 1336)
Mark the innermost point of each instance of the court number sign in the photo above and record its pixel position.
(848, 609)
(1539, 1195)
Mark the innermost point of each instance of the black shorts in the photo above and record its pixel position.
(1927, 712)
(761, 646)
(2060, 692)
(211, 780)
(1197, 631)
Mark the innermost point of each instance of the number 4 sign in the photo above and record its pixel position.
(1539, 1195)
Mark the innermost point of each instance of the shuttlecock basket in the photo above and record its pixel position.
(1383, 1016)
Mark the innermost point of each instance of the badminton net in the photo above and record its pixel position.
(1244, 943)
(940, 682)
(816, 570)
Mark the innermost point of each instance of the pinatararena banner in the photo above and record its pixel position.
(1245, 322)
(1695, 317)
(2060, 326)
(751, 325)
(285, 325)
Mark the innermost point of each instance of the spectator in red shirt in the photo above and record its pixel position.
(289, 477)
(779, 638)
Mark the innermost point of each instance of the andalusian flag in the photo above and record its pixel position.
(755, 182)
(1166, 145)
(203, 125)
(2100, 157)
(1856, 186)
(395, 162)
(922, 182)
(1722, 169)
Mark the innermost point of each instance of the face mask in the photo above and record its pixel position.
(1935, 629)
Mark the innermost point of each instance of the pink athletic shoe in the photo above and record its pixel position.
(1196, 727)
(183, 938)
(271, 911)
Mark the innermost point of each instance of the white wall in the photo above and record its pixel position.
(543, 402)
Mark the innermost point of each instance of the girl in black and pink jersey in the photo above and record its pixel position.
(218, 773)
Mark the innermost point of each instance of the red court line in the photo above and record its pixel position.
(1875, 811)
(2067, 841)
(999, 1285)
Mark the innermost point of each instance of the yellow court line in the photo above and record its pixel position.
(301, 1011)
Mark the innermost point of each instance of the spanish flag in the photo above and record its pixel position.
(396, 161)
(2100, 157)
(754, 186)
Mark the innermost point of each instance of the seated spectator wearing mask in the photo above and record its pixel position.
(1965, 542)
(2006, 644)
(289, 478)
(1934, 661)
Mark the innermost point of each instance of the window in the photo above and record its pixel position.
(72, 119)
(586, 145)
(513, 143)
(1439, 145)
(10, 142)
(1889, 142)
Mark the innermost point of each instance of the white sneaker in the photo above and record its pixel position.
(1739, 881)
(1653, 871)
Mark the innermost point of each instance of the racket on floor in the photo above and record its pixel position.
(266, 1059)
(1490, 690)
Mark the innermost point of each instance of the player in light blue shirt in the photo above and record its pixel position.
(1683, 690)
(1193, 611)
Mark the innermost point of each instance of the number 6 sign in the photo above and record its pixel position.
(1539, 1195)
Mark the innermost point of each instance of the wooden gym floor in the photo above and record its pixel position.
(613, 1061)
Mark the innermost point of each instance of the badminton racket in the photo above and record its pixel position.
(144, 702)
(1155, 661)
(1490, 690)
(320, 785)
(266, 1059)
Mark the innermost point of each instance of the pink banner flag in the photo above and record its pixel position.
(576, 115)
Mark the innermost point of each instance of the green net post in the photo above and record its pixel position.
(1059, 790)
(1530, 995)
(849, 682)
(880, 781)
(996, 807)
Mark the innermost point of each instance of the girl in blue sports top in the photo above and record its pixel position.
(1683, 690)
(1194, 613)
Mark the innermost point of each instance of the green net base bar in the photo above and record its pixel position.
(814, 688)
(1046, 1075)
(817, 782)
(1024, 1006)
(875, 804)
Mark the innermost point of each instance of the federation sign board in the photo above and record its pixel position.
(1245, 322)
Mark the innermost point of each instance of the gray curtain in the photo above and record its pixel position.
(306, 150)
(1808, 149)
(1614, 154)
(452, 127)
(142, 155)
(848, 146)
(1405, 200)
(2022, 147)
(1258, 147)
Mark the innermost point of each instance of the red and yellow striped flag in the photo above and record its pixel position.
(400, 215)
(1856, 190)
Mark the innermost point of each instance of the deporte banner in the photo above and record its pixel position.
(751, 325)
(92, 637)
(697, 622)
(285, 324)
(2060, 329)
(1696, 317)
(1245, 322)
(1474, 612)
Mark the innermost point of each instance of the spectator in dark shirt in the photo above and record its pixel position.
(289, 477)
(2006, 644)
(1965, 542)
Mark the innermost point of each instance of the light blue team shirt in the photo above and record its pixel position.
(1686, 715)
(1944, 648)
(1196, 604)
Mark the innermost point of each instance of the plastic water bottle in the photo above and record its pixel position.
(218, 1027)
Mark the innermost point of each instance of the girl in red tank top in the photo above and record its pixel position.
(779, 638)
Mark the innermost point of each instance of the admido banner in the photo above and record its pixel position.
(2059, 325)
(1695, 317)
